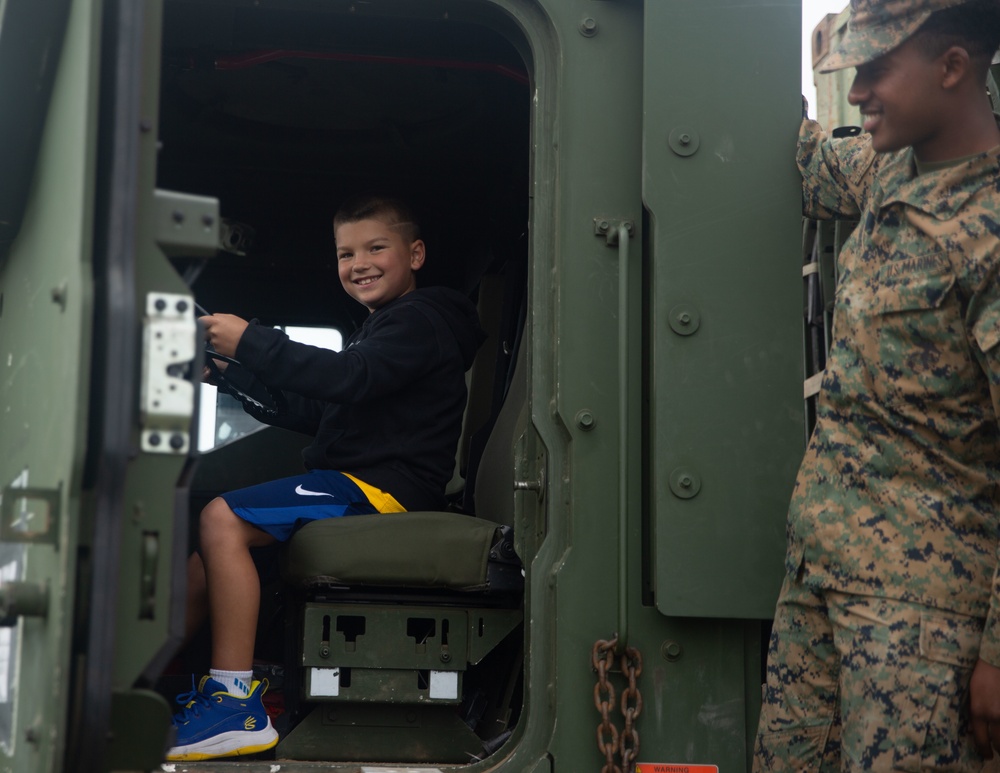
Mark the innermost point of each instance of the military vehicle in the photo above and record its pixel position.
(612, 181)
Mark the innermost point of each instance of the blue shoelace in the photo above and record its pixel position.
(191, 701)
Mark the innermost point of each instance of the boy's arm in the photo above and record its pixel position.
(296, 413)
(403, 347)
(224, 332)
(836, 172)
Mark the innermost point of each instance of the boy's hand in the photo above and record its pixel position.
(223, 332)
(984, 706)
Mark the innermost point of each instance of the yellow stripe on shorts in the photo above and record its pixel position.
(381, 500)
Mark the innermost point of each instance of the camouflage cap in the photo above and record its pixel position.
(876, 27)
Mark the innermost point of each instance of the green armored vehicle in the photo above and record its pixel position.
(612, 182)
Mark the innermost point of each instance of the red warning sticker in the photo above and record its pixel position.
(674, 767)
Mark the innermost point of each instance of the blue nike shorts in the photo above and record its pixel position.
(281, 507)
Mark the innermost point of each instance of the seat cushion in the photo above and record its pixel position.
(418, 549)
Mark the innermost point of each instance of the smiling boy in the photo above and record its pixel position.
(385, 414)
(886, 636)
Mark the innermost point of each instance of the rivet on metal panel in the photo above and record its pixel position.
(588, 27)
(685, 483)
(585, 420)
(684, 141)
(59, 293)
(684, 319)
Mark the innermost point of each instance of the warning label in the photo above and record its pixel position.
(674, 767)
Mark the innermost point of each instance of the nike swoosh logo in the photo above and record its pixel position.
(307, 493)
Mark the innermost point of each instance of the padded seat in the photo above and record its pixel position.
(414, 550)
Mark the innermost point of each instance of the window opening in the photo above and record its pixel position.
(223, 419)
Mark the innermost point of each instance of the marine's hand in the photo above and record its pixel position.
(223, 332)
(984, 706)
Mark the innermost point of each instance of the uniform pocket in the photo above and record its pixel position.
(932, 728)
(792, 751)
(923, 350)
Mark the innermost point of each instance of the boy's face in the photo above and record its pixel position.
(375, 263)
(900, 97)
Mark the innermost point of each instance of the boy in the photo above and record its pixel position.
(886, 637)
(385, 414)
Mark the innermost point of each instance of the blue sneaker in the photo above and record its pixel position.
(215, 723)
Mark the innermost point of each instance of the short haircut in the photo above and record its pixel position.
(974, 26)
(394, 212)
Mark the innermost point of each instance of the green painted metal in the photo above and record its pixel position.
(45, 326)
(399, 733)
(29, 57)
(726, 402)
(410, 637)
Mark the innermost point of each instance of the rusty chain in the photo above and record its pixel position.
(631, 707)
(609, 740)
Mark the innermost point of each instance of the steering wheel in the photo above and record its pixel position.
(262, 400)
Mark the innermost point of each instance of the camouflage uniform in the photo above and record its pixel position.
(891, 590)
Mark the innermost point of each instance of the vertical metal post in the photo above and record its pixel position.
(623, 427)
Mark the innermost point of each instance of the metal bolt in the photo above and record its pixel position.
(603, 226)
(588, 27)
(207, 220)
(585, 420)
(685, 139)
(177, 442)
(59, 295)
(160, 304)
(154, 439)
(177, 216)
(445, 657)
(686, 481)
(182, 306)
(671, 650)
(324, 651)
(685, 318)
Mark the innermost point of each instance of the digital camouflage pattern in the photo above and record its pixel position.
(861, 683)
(876, 27)
(897, 494)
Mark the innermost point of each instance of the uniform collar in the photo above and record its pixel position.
(940, 194)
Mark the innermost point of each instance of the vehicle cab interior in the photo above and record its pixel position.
(391, 638)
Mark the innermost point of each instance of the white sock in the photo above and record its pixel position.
(236, 682)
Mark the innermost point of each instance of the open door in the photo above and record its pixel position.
(98, 344)
(47, 130)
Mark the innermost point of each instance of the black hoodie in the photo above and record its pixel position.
(388, 409)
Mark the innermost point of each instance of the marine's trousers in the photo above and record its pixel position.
(861, 683)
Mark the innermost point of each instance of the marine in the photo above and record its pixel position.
(885, 651)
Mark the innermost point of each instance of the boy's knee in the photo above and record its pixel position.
(217, 519)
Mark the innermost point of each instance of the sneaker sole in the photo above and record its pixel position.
(232, 744)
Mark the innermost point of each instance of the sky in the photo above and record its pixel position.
(812, 13)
